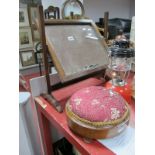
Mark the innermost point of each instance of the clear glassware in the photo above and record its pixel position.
(120, 63)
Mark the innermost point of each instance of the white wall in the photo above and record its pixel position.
(96, 8)
(56, 3)
(116, 8)
(132, 8)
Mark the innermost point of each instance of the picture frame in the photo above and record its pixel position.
(20, 64)
(27, 57)
(23, 17)
(25, 37)
(35, 35)
(33, 14)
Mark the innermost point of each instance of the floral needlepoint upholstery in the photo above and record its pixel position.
(97, 104)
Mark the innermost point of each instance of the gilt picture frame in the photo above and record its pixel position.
(33, 14)
(25, 38)
(23, 17)
(35, 35)
(27, 57)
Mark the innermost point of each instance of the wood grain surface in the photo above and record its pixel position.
(76, 50)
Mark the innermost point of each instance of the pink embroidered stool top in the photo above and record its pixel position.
(98, 107)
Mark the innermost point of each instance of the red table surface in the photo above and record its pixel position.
(60, 122)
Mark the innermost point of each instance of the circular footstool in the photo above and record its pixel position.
(96, 112)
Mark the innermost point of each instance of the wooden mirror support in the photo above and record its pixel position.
(106, 17)
(77, 49)
(49, 97)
